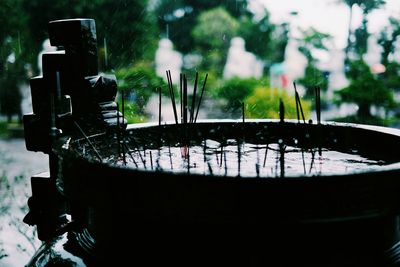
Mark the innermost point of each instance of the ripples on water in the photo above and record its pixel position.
(247, 160)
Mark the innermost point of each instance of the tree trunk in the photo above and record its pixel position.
(364, 111)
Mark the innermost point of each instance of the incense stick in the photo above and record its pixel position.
(226, 166)
(185, 98)
(123, 105)
(194, 98)
(243, 118)
(118, 133)
(318, 103)
(123, 122)
(222, 153)
(304, 163)
(170, 156)
(201, 97)
(265, 155)
(258, 161)
(181, 94)
(188, 159)
(281, 111)
(204, 151)
(282, 158)
(172, 95)
(301, 108)
(318, 111)
(239, 156)
(312, 160)
(159, 106)
(297, 103)
(151, 160)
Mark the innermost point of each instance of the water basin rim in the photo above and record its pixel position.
(395, 166)
(382, 129)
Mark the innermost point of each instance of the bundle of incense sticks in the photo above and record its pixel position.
(188, 114)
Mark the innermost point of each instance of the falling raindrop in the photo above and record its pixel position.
(105, 54)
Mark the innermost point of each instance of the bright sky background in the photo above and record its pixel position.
(330, 16)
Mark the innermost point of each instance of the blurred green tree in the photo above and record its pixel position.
(263, 38)
(390, 73)
(212, 34)
(129, 29)
(313, 40)
(266, 40)
(350, 4)
(13, 41)
(234, 91)
(357, 41)
(125, 26)
(139, 82)
(178, 18)
(263, 103)
(365, 89)
(387, 39)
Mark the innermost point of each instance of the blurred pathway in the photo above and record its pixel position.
(17, 240)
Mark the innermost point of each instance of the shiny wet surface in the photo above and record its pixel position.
(18, 241)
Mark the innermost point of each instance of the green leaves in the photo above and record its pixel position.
(139, 82)
(178, 18)
(212, 34)
(366, 5)
(365, 89)
(208, 26)
(313, 40)
(313, 77)
(215, 28)
(263, 102)
(235, 90)
(358, 44)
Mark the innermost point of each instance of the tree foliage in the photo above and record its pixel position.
(312, 78)
(129, 30)
(13, 40)
(214, 29)
(139, 82)
(387, 39)
(365, 89)
(178, 18)
(235, 90)
(127, 26)
(313, 40)
(266, 40)
(213, 32)
(263, 103)
(368, 6)
(358, 44)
